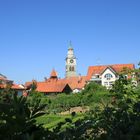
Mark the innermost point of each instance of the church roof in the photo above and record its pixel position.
(76, 82)
(99, 69)
(58, 85)
(53, 73)
(51, 87)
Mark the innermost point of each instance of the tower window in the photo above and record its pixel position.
(72, 68)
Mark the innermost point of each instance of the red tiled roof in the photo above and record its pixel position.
(58, 85)
(17, 87)
(14, 86)
(5, 82)
(77, 82)
(51, 87)
(28, 84)
(99, 69)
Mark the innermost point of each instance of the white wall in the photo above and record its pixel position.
(107, 82)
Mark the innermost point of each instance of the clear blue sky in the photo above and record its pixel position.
(34, 35)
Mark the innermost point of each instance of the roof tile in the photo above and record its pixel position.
(99, 69)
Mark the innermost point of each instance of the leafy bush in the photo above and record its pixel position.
(17, 120)
(117, 119)
(63, 102)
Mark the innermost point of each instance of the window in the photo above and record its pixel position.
(111, 83)
(105, 83)
(97, 76)
(72, 69)
(108, 76)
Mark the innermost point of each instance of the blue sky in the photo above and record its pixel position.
(35, 34)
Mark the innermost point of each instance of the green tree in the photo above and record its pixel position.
(17, 120)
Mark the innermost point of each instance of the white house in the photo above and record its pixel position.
(106, 75)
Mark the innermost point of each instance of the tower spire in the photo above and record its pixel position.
(70, 45)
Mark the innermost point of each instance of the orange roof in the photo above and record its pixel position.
(27, 84)
(14, 86)
(99, 69)
(77, 82)
(18, 87)
(6, 82)
(51, 87)
(58, 85)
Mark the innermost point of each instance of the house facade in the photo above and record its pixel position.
(106, 75)
(4, 82)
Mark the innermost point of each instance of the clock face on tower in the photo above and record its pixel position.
(71, 61)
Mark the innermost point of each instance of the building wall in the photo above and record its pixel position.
(108, 81)
(70, 64)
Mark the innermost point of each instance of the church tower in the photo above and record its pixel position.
(70, 63)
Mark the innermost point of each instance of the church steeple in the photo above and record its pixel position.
(70, 45)
(70, 62)
(53, 74)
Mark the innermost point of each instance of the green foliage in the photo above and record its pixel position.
(36, 98)
(94, 94)
(6, 94)
(117, 121)
(114, 115)
(93, 87)
(33, 86)
(17, 120)
(91, 96)
(64, 102)
(137, 75)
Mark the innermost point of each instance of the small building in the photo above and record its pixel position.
(77, 83)
(5, 82)
(106, 75)
(53, 85)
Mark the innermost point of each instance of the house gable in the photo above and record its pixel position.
(108, 77)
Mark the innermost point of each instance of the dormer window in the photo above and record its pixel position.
(97, 76)
(108, 76)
